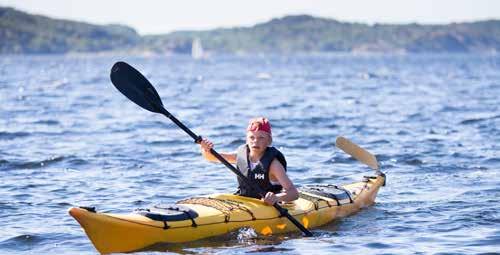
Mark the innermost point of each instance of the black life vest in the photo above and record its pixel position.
(260, 174)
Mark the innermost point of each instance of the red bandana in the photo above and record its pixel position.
(259, 124)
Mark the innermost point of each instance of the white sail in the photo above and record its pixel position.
(196, 49)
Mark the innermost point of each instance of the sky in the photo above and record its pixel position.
(163, 16)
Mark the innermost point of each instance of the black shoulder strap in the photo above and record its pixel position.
(278, 155)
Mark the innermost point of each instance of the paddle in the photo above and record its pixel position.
(137, 88)
(357, 152)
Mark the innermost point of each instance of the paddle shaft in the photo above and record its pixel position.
(197, 139)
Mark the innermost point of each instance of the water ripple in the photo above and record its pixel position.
(13, 135)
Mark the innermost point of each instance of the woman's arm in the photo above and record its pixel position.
(289, 193)
(206, 145)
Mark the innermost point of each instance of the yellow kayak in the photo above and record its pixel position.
(206, 216)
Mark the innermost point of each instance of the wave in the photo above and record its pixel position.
(478, 120)
(13, 135)
(22, 242)
(47, 122)
(71, 160)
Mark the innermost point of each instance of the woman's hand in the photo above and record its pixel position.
(206, 145)
(271, 198)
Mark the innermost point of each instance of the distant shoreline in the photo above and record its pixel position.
(24, 33)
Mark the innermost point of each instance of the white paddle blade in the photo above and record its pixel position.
(357, 152)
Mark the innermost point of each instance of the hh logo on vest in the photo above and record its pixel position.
(259, 176)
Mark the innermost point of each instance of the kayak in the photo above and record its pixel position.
(206, 216)
(212, 215)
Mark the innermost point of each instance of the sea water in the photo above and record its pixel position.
(69, 138)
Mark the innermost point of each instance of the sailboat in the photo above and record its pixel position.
(197, 49)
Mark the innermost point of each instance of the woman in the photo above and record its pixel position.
(260, 163)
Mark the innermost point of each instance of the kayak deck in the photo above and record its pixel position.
(218, 214)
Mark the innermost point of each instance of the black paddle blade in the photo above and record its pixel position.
(135, 87)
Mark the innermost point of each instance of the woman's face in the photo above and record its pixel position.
(258, 141)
